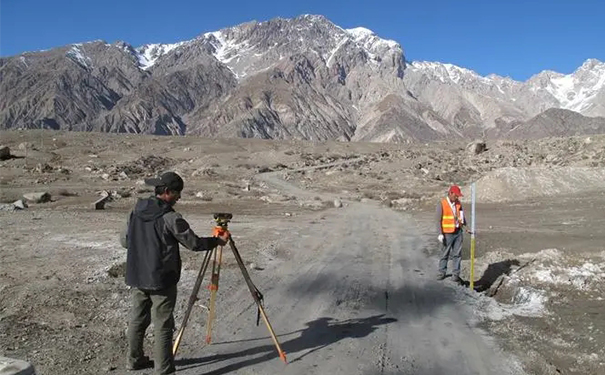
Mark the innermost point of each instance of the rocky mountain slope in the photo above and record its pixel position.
(300, 78)
(465, 98)
(556, 122)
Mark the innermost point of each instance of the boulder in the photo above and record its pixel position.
(20, 204)
(41, 197)
(99, 204)
(43, 168)
(402, 202)
(5, 153)
(25, 146)
(477, 147)
(10, 366)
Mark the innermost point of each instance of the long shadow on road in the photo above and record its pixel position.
(413, 298)
(317, 335)
(405, 304)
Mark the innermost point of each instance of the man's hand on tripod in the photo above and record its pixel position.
(223, 237)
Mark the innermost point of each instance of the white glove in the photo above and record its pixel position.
(440, 238)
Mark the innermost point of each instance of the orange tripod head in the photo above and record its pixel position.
(222, 221)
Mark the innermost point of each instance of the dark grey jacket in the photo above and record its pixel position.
(152, 237)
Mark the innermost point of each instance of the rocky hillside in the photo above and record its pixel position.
(556, 122)
(301, 78)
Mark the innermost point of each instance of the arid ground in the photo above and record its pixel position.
(339, 237)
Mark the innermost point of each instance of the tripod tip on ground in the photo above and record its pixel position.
(282, 355)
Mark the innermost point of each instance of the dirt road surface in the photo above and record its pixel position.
(357, 296)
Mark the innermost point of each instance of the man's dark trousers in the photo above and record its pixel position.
(155, 306)
(451, 248)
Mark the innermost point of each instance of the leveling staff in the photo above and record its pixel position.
(153, 269)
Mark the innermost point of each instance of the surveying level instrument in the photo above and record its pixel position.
(222, 221)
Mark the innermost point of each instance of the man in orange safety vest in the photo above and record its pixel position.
(450, 220)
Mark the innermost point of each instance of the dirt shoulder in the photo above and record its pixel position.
(544, 260)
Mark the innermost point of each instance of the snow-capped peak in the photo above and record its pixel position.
(369, 39)
(313, 17)
(256, 46)
(360, 32)
(578, 91)
(574, 90)
(592, 64)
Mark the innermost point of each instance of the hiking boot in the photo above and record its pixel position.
(140, 364)
(441, 276)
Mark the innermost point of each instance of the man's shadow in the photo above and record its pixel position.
(318, 334)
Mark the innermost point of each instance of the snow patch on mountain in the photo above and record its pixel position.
(229, 51)
(226, 50)
(334, 50)
(76, 55)
(447, 73)
(148, 54)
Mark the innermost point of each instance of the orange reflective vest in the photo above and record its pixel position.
(448, 218)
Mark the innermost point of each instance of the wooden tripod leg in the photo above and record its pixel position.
(281, 353)
(192, 299)
(216, 270)
(255, 295)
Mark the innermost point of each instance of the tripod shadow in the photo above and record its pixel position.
(11, 156)
(318, 334)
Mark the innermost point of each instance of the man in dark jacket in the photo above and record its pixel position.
(153, 269)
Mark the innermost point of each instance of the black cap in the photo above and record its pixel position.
(171, 180)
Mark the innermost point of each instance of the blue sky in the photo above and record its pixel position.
(516, 38)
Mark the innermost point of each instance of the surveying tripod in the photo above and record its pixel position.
(222, 221)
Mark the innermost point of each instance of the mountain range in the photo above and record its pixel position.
(300, 78)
